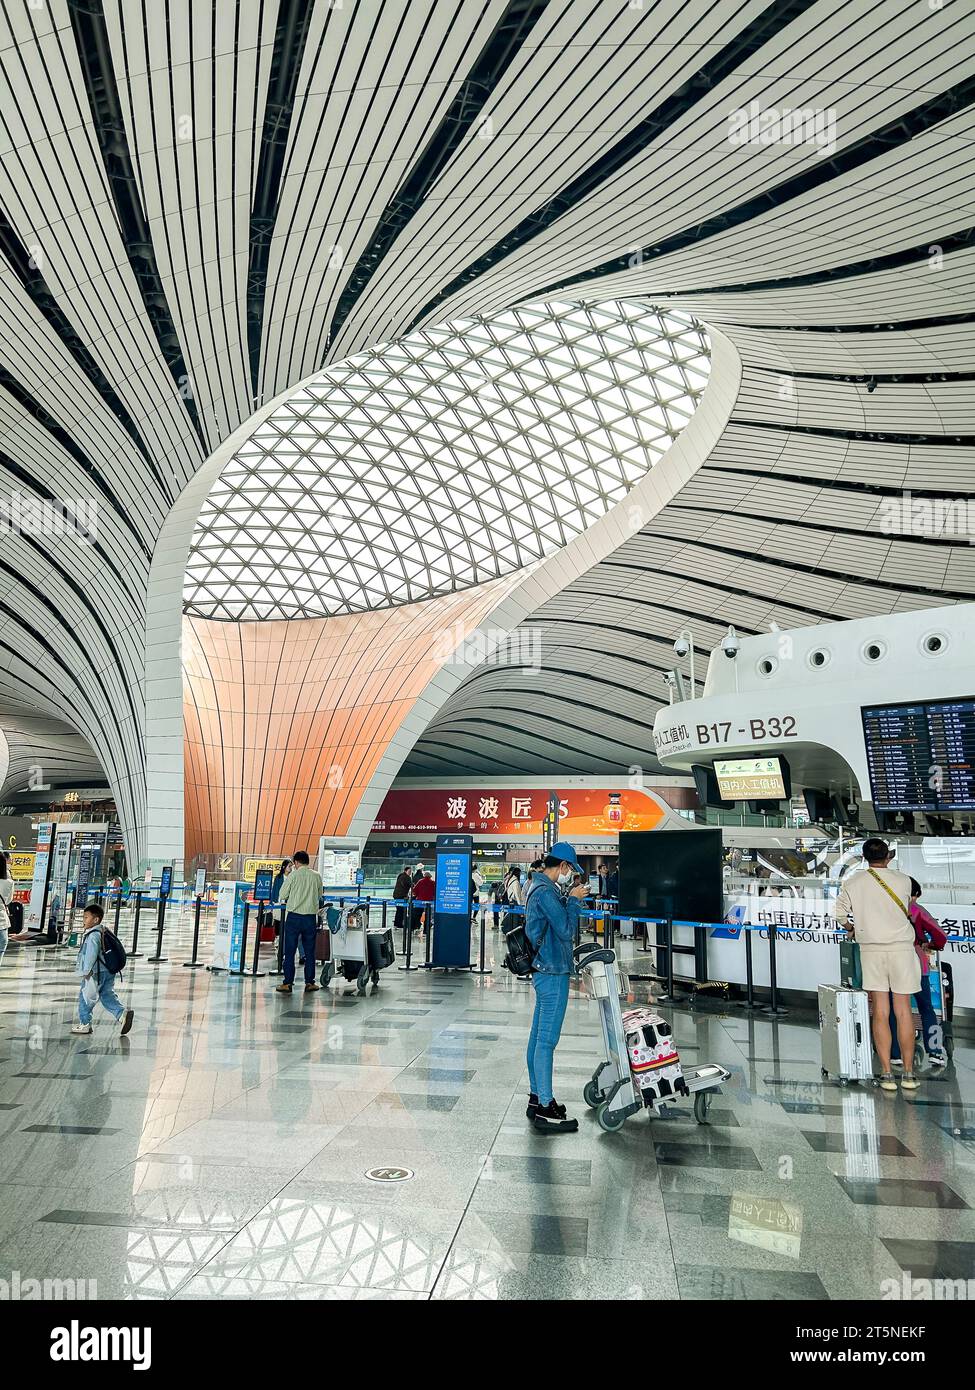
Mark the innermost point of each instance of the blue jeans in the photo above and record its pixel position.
(3, 942)
(299, 926)
(930, 1028)
(551, 998)
(106, 997)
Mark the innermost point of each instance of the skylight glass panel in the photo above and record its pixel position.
(452, 457)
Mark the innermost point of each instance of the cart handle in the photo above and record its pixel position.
(601, 953)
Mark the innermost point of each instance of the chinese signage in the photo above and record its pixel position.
(20, 867)
(253, 866)
(34, 916)
(583, 811)
(808, 940)
(749, 779)
(228, 935)
(452, 907)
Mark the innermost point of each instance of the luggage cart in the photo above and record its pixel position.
(359, 952)
(612, 1092)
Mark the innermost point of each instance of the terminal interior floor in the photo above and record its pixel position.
(220, 1151)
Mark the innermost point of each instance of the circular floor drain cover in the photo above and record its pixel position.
(389, 1174)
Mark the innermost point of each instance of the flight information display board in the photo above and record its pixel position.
(921, 756)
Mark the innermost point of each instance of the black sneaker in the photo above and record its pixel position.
(126, 1022)
(552, 1119)
(533, 1107)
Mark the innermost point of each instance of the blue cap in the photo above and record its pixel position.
(563, 850)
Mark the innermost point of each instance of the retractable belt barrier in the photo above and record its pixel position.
(604, 915)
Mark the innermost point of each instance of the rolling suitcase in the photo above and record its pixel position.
(654, 1059)
(15, 911)
(844, 1033)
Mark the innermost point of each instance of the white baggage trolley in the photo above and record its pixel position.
(359, 952)
(612, 1092)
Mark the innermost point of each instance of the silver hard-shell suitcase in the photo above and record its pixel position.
(844, 1033)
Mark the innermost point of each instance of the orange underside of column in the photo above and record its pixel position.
(286, 721)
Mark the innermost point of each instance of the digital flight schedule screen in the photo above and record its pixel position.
(921, 755)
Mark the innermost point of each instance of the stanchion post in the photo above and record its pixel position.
(408, 949)
(774, 1007)
(257, 943)
(749, 1001)
(193, 963)
(670, 997)
(159, 958)
(135, 953)
(428, 935)
(118, 911)
(480, 970)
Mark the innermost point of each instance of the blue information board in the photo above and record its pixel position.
(166, 881)
(262, 885)
(452, 904)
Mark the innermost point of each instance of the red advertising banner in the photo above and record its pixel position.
(507, 811)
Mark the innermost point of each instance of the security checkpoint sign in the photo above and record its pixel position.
(21, 867)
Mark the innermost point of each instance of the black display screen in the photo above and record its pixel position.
(921, 755)
(671, 873)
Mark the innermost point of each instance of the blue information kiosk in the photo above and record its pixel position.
(452, 905)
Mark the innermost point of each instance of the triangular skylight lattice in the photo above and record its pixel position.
(452, 457)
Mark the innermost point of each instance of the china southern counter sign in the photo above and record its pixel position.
(389, 1174)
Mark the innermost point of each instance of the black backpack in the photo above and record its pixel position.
(112, 954)
(520, 955)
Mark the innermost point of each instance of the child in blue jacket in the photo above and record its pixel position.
(97, 982)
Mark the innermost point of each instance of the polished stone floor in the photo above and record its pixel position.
(221, 1151)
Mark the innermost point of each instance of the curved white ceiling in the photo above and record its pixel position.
(196, 216)
(444, 460)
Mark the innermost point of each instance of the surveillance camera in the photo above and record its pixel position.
(681, 646)
(670, 677)
(730, 644)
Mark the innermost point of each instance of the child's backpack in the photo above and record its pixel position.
(112, 954)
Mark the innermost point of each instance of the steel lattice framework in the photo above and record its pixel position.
(451, 457)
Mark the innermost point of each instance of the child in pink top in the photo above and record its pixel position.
(928, 936)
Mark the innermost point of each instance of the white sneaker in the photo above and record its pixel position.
(938, 1059)
(81, 1028)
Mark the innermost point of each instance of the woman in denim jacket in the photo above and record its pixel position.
(551, 920)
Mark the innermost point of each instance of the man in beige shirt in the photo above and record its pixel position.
(877, 900)
(301, 895)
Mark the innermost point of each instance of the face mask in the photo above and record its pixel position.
(564, 880)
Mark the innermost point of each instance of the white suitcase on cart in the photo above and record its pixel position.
(844, 1033)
